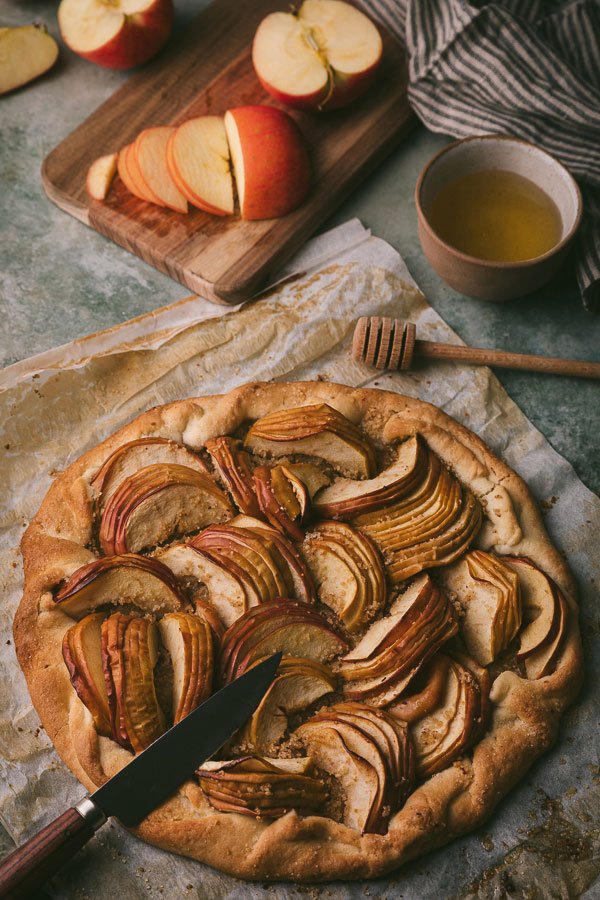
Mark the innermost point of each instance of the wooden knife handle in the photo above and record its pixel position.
(30, 866)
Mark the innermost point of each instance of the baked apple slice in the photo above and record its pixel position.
(158, 502)
(82, 653)
(190, 644)
(348, 571)
(289, 626)
(488, 592)
(427, 691)
(233, 465)
(299, 683)
(122, 579)
(348, 497)
(113, 664)
(283, 499)
(129, 458)
(225, 590)
(262, 787)
(318, 430)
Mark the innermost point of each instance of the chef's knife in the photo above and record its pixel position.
(143, 784)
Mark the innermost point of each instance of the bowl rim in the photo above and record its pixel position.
(491, 263)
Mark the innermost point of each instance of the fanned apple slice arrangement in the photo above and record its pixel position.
(355, 561)
(209, 161)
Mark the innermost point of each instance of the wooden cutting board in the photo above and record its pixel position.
(223, 258)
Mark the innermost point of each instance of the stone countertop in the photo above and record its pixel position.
(60, 280)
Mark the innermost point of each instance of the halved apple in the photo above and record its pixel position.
(545, 618)
(150, 153)
(262, 787)
(199, 164)
(233, 465)
(157, 503)
(303, 584)
(130, 655)
(348, 571)
(488, 592)
(394, 648)
(349, 497)
(123, 579)
(318, 430)
(82, 653)
(322, 56)
(269, 184)
(283, 499)
(189, 642)
(100, 176)
(227, 591)
(129, 458)
(26, 52)
(299, 682)
(289, 626)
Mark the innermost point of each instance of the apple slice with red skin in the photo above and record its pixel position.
(158, 502)
(190, 644)
(145, 720)
(116, 35)
(318, 430)
(278, 501)
(269, 184)
(427, 691)
(113, 664)
(123, 579)
(348, 497)
(150, 154)
(262, 787)
(82, 653)
(125, 174)
(132, 456)
(299, 682)
(542, 610)
(303, 584)
(198, 160)
(100, 176)
(26, 52)
(233, 465)
(322, 56)
(312, 476)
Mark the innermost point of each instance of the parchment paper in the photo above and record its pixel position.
(543, 842)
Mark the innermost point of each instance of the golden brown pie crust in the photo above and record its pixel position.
(525, 714)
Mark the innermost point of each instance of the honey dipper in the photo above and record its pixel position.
(387, 343)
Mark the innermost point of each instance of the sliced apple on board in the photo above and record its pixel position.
(117, 35)
(124, 579)
(26, 52)
(190, 643)
(130, 653)
(348, 571)
(545, 618)
(263, 787)
(132, 456)
(318, 430)
(393, 649)
(488, 592)
(157, 503)
(82, 653)
(321, 57)
(299, 682)
(370, 756)
(150, 153)
(448, 730)
(100, 176)
(223, 587)
(199, 164)
(302, 580)
(348, 497)
(125, 174)
(233, 466)
(290, 626)
(269, 184)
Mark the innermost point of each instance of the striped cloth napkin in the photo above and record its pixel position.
(527, 68)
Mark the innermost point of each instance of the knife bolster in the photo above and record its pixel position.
(92, 814)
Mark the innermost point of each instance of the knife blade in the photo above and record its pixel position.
(149, 779)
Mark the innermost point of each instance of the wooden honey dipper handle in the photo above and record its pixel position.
(387, 343)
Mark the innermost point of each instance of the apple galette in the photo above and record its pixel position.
(428, 625)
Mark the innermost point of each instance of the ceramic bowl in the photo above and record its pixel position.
(487, 279)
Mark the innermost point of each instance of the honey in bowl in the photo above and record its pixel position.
(495, 215)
